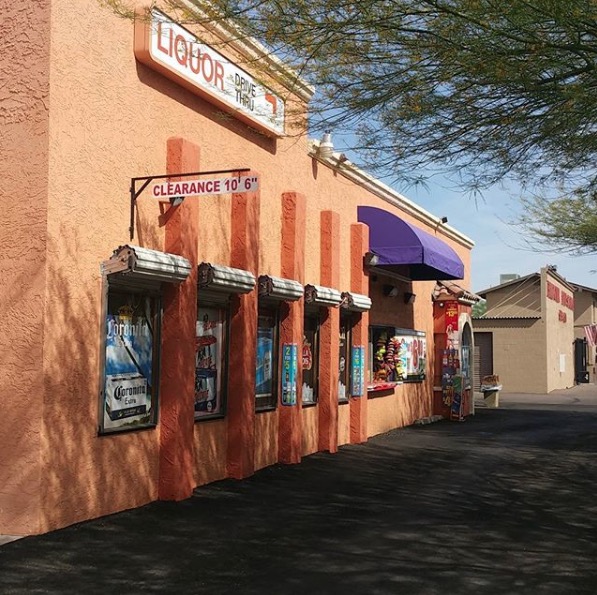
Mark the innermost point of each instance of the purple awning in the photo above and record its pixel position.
(397, 242)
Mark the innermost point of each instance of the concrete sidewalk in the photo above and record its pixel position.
(580, 395)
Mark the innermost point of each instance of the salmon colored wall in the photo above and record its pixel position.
(110, 120)
(210, 450)
(24, 123)
(310, 433)
(343, 424)
(266, 439)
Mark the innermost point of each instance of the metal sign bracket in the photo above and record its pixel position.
(146, 180)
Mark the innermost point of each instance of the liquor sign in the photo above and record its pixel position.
(175, 52)
(289, 369)
(166, 190)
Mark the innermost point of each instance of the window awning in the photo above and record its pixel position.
(137, 264)
(397, 243)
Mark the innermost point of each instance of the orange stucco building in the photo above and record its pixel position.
(149, 346)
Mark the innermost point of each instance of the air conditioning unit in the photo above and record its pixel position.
(142, 264)
(286, 290)
(322, 296)
(356, 302)
(225, 279)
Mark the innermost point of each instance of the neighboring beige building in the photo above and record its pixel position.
(585, 314)
(526, 336)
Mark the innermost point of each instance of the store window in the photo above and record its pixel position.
(310, 359)
(211, 360)
(397, 355)
(131, 370)
(216, 285)
(266, 379)
(344, 361)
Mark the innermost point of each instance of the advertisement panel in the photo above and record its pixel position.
(209, 361)
(127, 401)
(289, 373)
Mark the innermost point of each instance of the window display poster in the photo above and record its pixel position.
(451, 319)
(208, 361)
(400, 355)
(358, 371)
(457, 404)
(265, 357)
(129, 362)
(289, 370)
(343, 365)
(310, 361)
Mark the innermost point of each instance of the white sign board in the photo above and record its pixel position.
(168, 190)
(164, 45)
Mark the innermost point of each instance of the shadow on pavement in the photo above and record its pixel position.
(503, 503)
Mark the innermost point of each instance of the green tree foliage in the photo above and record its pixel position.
(484, 89)
(479, 309)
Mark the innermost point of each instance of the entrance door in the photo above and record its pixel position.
(483, 359)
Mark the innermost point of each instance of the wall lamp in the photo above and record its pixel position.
(441, 221)
(176, 201)
(390, 290)
(409, 298)
(371, 259)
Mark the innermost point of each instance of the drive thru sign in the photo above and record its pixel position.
(169, 190)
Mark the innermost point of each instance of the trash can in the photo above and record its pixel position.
(490, 387)
(491, 397)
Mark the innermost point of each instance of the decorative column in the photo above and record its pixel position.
(177, 378)
(292, 320)
(243, 327)
(359, 283)
(329, 334)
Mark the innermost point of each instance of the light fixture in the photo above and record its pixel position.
(224, 279)
(322, 296)
(326, 147)
(444, 219)
(371, 259)
(286, 290)
(409, 298)
(143, 264)
(176, 201)
(390, 290)
(356, 302)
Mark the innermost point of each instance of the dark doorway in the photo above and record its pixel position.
(483, 358)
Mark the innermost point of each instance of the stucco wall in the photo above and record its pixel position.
(24, 105)
(518, 353)
(559, 327)
(111, 118)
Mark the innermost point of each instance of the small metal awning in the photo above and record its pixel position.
(397, 243)
(136, 264)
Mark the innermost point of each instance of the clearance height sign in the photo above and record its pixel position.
(172, 50)
(167, 190)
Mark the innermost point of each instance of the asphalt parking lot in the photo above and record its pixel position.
(503, 503)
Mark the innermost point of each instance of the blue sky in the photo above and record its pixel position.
(499, 247)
